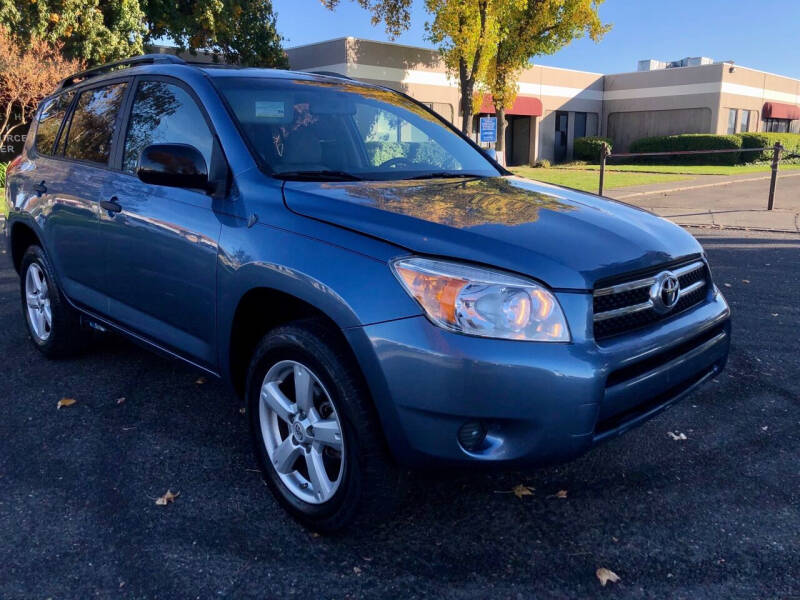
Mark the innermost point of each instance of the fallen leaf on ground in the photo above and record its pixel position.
(65, 402)
(774, 314)
(678, 436)
(167, 498)
(242, 410)
(357, 570)
(200, 380)
(727, 284)
(561, 494)
(606, 575)
(745, 281)
(120, 400)
(522, 490)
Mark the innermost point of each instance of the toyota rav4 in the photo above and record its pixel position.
(380, 291)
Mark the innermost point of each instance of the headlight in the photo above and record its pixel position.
(482, 302)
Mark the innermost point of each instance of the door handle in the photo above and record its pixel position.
(40, 189)
(112, 206)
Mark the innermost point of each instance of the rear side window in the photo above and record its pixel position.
(164, 113)
(92, 126)
(50, 119)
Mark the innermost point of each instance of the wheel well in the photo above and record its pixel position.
(259, 311)
(22, 237)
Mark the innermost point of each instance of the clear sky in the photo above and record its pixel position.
(762, 34)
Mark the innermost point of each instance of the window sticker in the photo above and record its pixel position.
(267, 109)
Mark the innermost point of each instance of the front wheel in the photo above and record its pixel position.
(316, 437)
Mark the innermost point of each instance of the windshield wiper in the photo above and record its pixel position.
(447, 175)
(322, 175)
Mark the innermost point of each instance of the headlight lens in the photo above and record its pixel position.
(482, 302)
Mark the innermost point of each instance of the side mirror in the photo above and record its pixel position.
(490, 152)
(174, 165)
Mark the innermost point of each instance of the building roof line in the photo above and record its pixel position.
(435, 51)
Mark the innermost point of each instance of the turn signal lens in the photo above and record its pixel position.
(482, 302)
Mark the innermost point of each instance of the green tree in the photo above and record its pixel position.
(98, 31)
(528, 28)
(395, 14)
(91, 30)
(238, 31)
(466, 33)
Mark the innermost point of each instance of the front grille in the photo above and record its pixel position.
(628, 305)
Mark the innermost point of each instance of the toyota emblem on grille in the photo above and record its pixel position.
(665, 292)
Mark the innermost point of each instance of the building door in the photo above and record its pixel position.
(562, 125)
(518, 140)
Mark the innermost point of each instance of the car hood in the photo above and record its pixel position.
(563, 237)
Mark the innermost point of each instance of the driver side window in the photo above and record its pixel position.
(388, 136)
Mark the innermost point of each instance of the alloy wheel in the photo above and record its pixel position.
(301, 431)
(37, 298)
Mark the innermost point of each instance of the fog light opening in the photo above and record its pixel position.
(472, 435)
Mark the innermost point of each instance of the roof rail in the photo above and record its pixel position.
(145, 59)
(330, 74)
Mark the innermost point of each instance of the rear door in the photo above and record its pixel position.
(161, 243)
(30, 184)
(77, 173)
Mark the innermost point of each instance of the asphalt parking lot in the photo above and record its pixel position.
(715, 515)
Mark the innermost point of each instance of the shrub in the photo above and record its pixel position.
(790, 141)
(542, 164)
(3, 167)
(588, 148)
(690, 141)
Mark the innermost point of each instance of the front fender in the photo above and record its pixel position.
(351, 288)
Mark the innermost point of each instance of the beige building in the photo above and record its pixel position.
(555, 106)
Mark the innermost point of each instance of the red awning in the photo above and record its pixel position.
(777, 110)
(523, 105)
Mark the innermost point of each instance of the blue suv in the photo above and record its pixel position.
(382, 293)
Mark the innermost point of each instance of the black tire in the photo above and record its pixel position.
(369, 485)
(66, 337)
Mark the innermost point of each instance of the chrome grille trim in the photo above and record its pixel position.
(690, 288)
(629, 305)
(625, 310)
(640, 283)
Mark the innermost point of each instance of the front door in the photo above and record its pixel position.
(161, 242)
(562, 124)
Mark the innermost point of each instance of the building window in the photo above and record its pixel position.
(744, 121)
(732, 121)
(580, 125)
(776, 125)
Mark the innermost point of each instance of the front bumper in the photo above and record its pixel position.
(539, 402)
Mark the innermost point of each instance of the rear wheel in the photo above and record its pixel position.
(315, 433)
(53, 325)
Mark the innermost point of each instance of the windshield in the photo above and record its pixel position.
(341, 130)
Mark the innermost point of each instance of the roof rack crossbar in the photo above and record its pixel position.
(145, 59)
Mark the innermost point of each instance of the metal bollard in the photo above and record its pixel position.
(603, 156)
(776, 157)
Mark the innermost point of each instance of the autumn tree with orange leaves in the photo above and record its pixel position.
(27, 74)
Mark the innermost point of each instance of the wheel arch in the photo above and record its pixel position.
(22, 236)
(258, 311)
